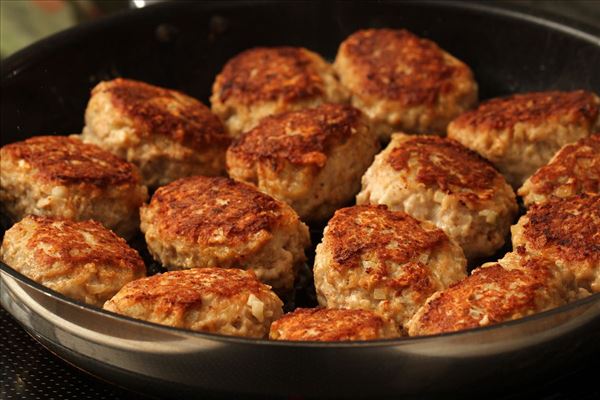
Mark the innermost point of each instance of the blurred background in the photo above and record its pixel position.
(23, 22)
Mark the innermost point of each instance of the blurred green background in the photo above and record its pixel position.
(22, 22)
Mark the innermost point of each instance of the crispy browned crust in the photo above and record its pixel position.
(71, 250)
(302, 137)
(400, 66)
(497, 292)
(576, 166)
(578, 106)
(69, 161)
(266, 74)
(327, 325)
(159, 111)
(447, 164)
(184, 290)
(213, 211)
(354, 231)
(570, 227)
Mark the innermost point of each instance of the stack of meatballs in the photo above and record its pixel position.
(300, 141)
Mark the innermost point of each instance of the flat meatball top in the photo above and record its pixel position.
(570, 227)
(492, 294)
(303, 137)
(59, 246)
(322, 324)
(216, 211)
(377, 240)
(68, 161)
(400, 66)
(445, 164)
(158, 111)
(267, 74)
(189, 288)
(534, 108)
(574, 169)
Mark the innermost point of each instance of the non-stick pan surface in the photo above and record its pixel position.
(183, 45)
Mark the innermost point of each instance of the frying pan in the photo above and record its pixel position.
(183, 46)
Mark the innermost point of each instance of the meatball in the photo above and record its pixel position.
(575, 169)
(63, 177)
(167, 134)
(79, 259)
(217, 300)
(332, 325)
(403, 82)
(217, 222)
(568, 233)
(384, 261)
(312, 159)
(521, 133)
(439, 180)
(512, 288)
(270, 80)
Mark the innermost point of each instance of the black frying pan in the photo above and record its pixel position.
(183, 45)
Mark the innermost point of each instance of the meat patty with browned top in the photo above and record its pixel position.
(521, 133)
(216, 300)
(167, 134)
(218, 222)
(385, 261)
(332, 325)
(79, 259)
(439, 180)
(574, 169)
(265, 81)
(403, 82)
(312, 159)
(64, 177)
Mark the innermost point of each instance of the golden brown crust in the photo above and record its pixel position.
(69, 161)
(357, 230)
(213, 211)
(302, 137)
(82, 260)
(490, 295)
(328, 325)
(71, 247)
(575, 169)
(502, 113)
(570, 227)
(447, 164)
(266, 74)
(159, 111)
(185, 289)
(218, 300)
(398, 65)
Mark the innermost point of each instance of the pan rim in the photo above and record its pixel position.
(22, 279)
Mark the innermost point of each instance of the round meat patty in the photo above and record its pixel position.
(167, 134)
(512, 288)
(270, 80)
(574, 170)
(384, 261)
(521, 133)
(566, 232)
(403, 82)
(218, 222)
(64, 177)
(82, 260)
(439, 180)
(332, 325)
(312, 159)
(217, 300)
